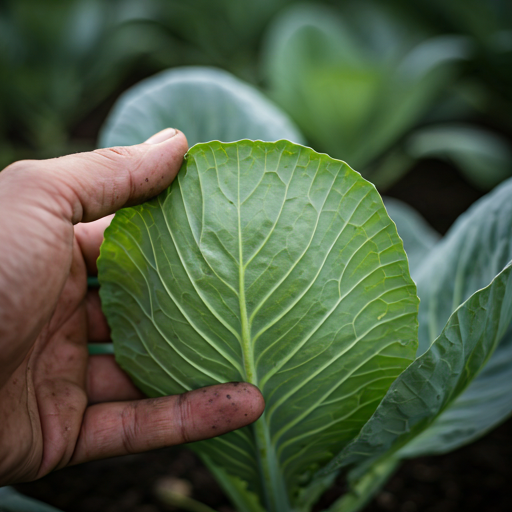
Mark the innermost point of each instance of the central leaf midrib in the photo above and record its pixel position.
(250, 371)
(248, 356)
(272, 481)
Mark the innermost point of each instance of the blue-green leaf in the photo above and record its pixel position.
(485, 404)
(12, 501)
(477, 248)
(273, 264)
(479, 244)
(204, 103)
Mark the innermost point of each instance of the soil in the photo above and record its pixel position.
(475, 478)
(437, 191)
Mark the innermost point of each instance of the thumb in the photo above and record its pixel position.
(105, 180)
(90, 185)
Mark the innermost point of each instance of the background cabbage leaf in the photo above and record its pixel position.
(204, 103)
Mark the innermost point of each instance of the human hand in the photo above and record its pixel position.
(58, 406)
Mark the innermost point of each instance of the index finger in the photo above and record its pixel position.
(121, 428)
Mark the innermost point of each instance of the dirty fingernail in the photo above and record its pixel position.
(162, 136)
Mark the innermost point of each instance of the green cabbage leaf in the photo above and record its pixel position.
(272, 264)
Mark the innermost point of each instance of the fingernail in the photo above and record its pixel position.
(162, 136)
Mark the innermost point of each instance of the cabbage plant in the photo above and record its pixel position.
(358, 80)
(270, 263)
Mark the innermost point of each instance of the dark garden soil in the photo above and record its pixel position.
(437, 191)
(476, 478)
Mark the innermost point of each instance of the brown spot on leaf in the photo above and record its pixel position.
(228, 397)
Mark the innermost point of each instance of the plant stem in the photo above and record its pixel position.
(272, 479)
(100, 348)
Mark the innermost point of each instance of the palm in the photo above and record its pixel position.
(47, 395)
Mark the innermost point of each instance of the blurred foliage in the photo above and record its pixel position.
(61, 59)
(380, 85)
(360, 79)
(489, 24)
(205, 103)
(357, 82)
(484, 157)
(224, 33)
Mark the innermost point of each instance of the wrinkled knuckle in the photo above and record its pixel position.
(116, 153)
(130, 427)
(183, 418)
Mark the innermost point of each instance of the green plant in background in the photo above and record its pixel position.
(60, 60)
(356, 86)
(357, 82)
(485, 158)
(483, 92)
(223, 33)
(202, 102)
(290, 275)
(360, 70)
(489, 24)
